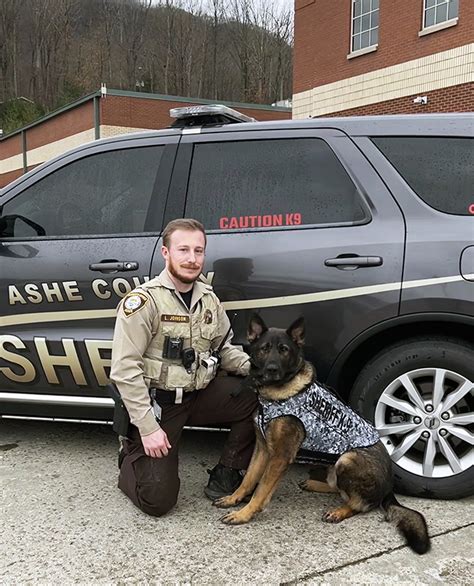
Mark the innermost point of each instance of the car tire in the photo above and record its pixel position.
(420, 396)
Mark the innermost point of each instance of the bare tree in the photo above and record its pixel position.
(52, 50)
(8, 49)
(239, 22)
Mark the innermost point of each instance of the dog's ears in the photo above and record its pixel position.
(256, 328)
(296, 332)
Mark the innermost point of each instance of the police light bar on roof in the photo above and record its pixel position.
(207, 115)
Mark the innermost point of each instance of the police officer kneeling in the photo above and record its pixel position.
(164, 361)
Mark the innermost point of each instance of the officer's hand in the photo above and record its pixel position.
(156, 444)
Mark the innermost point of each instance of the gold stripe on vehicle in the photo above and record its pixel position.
(57, 316)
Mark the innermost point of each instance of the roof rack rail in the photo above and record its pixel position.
(211, 115)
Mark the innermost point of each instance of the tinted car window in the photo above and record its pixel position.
(440, 170)
(261, 184)
(106, 193)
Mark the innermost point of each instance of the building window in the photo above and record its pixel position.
(438, 11)
(365, 24)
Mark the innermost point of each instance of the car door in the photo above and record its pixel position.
(298, 224)
(75, 238)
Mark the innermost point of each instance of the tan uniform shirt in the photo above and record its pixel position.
(144, 317)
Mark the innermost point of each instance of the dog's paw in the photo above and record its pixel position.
(236, 518)
(225, 502)
(338, 515)
(311, 485)
(333, 516)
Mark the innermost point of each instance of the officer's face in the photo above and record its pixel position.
(185, 255)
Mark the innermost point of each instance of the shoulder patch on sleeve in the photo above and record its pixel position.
(133, 302)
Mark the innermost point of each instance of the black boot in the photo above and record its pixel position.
(222, 481)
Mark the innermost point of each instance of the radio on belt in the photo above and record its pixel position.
(212, 363)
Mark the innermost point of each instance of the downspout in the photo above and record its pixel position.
(24, 151)
(96, 117)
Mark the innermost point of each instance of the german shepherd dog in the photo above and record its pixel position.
(362, 475)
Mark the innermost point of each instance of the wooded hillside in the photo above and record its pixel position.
(53, 51)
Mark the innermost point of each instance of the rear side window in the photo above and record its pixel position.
(440, 170)
(104, 193)
(248, 185)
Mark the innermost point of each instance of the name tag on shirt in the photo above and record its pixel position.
(180, 319)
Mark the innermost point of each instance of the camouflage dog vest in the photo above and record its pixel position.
(331, 427)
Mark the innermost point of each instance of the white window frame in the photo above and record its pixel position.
(432, 28)
(369, 48)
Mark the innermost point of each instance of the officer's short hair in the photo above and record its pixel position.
(182, 224)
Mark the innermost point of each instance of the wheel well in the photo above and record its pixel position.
(364, 352)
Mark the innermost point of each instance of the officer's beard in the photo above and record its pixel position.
(183, 278)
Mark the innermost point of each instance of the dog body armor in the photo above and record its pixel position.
(331, 427)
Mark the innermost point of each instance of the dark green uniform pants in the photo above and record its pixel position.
(153, 483)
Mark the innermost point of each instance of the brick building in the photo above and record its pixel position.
(383, 56)
(98, 116)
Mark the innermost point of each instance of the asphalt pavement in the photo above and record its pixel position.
(65, 522)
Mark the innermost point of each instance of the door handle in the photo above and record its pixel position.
(347, 262)
(114, 266)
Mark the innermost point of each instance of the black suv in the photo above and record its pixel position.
(362, 225)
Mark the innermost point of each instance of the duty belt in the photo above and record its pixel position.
(164, 397)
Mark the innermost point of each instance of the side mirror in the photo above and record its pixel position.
(7, 225)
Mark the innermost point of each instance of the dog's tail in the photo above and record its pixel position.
(410, 523)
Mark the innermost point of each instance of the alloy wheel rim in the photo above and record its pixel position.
(425, 418)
